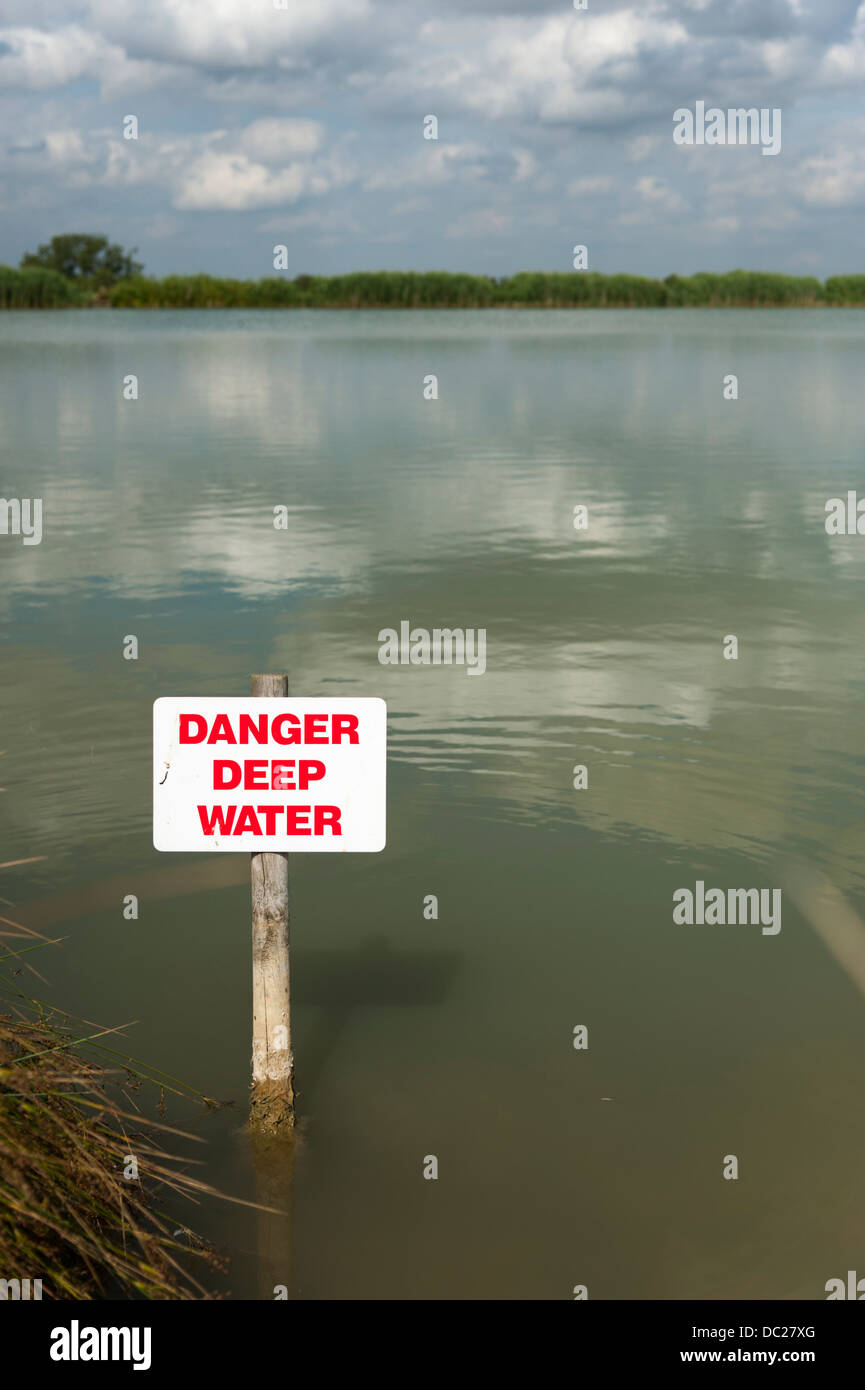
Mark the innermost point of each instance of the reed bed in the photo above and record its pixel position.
(73, 1211)
(36, 288)
(528, 289)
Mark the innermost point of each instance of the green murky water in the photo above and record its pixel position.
(604, 647)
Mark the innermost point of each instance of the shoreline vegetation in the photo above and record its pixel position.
(87, 1188)
(74, 1213)
(37, 287)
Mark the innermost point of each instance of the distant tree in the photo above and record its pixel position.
(90, 260)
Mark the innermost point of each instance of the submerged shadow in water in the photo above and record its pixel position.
(374, 974)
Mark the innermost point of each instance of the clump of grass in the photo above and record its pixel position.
(68, 1213)
(71, 1213)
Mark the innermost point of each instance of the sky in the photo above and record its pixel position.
(303, 126)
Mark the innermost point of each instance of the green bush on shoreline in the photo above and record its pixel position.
(35, 288)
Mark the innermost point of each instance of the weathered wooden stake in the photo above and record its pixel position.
(272, 1102)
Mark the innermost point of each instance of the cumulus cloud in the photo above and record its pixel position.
(231, 181)
(432, 164)
(67, 147)
(40, 59)
(225, 33)
(272, 140)
(261, 165)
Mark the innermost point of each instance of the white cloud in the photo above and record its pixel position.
(642, 146)
(42, 59)
(433, 164)
(834, 180)
(526, 165)
(658, 201)
(654, 190)
(215, 170)
(844, 63)
(231, 181)
(67, 147)
(224, 33)
(273, 140)
(39, 59)
(480, 222)
(581, 187)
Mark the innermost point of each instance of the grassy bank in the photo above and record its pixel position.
(75, 1210)
(43, 289)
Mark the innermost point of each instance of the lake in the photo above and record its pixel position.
(558, 1166)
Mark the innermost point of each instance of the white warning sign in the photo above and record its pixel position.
(269, 774)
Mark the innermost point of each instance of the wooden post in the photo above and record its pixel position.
(272, 1101)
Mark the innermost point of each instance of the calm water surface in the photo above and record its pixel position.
(454, 1037)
